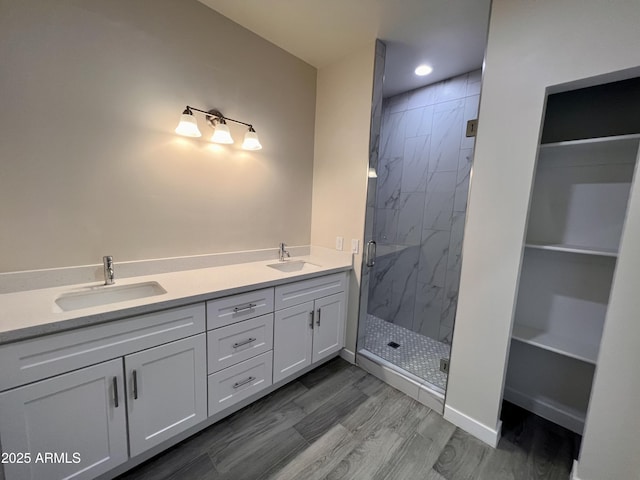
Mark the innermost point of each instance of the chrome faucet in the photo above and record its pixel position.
(109, 274)
(283, 252)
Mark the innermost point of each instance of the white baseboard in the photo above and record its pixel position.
(348, 355)
(488, 435)
(574, 471)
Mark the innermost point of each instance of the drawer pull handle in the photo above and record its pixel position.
(245, 307)
(244, 342)
(243, 382)
(311, 322)
(115, 392)
(135, 384)
(318, 321)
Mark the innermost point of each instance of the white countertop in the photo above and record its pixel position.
(34, 313)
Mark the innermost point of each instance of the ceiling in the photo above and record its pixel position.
(449, 35)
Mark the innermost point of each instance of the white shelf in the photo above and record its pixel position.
(554, 411)
(592, 141)
(601, 252)
(553, 343)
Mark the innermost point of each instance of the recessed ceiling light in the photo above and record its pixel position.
(423, 70)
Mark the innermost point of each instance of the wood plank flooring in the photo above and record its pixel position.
(338, 422)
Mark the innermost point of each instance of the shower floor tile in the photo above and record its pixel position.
(416, 354)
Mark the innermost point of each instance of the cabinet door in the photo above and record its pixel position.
(166, 391)
(328, 335)
(80, 416)
(292, 340)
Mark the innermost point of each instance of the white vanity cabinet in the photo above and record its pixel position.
(81, 412)
(166, 391)
(106, 397)
(155, 379)
(239, 344)
(312, 328)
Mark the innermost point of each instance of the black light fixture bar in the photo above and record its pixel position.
(217, 114)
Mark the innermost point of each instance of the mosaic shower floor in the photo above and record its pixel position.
(416, 354)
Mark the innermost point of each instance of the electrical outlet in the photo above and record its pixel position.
(339, 243)
(355, 245)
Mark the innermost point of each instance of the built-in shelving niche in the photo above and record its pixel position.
(576, 218)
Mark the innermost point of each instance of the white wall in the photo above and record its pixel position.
(89, 162)
(531, 46)
(341, 159)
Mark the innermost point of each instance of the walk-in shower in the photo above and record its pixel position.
(416, 210)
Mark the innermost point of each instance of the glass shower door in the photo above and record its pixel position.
(416, 210)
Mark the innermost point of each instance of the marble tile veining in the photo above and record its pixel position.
(419, 121)
(392, 134)
(474, 82)
(438, 207)
(426, 316)
(434, 252)
(415, 164)
(446, 136)
(389, 182)
(462, 180)
(420, 204)
(410, 218)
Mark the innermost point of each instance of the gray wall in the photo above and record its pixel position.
(89, 162)
(421, 202)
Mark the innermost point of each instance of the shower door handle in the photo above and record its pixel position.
(370, 253)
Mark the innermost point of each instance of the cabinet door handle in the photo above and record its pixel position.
(115, 392)
(244, 342)
(244, 307)
(135, 384)
(312, 312)
(243, 382)
(318, 321)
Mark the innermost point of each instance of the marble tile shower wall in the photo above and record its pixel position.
(421, 199)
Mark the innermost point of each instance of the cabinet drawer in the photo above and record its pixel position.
(38, 358)
(241, 341)
(228, 310)
(308, 290)
(236, 383)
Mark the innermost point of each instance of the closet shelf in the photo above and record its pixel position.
(560, 345)
(601, 252)
(548, 408)
(635, 137)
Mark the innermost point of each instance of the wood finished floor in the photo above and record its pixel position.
(338, 422)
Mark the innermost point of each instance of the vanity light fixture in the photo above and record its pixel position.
(188, 125)
(221, 134)
(251, 141)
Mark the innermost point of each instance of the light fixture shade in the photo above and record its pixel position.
(221, 134)
(251, 141)
(188, 125)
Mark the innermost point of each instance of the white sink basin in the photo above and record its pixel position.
(105, 295)
(293, 266)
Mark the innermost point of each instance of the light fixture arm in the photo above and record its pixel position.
(213, 115)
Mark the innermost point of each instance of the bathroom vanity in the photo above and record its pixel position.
(111, 389)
